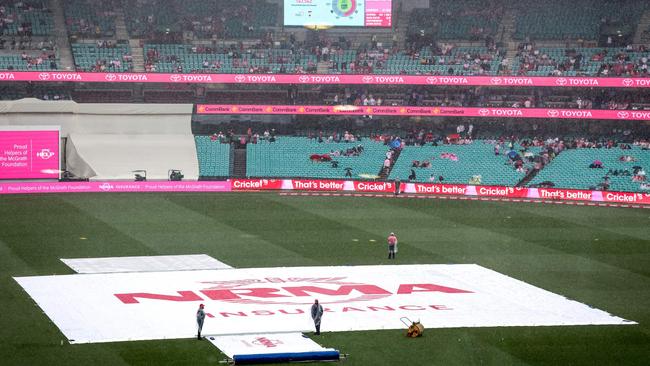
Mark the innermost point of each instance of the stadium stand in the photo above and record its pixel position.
(189, 59)
(86, 18)
(458, 164)
(555, 20)
(154, 19)
(292, 157)
(28, 18)
(571, 168)
(582, 61)
(466, 19)
(213, 156)
(103, 56)
(29, 62)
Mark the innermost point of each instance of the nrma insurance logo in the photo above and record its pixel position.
(288, 291)
(45, 154)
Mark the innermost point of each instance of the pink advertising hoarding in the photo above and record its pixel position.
(329, 185)
(113, 187)
(332, 79)
(32, 154)
(229, 109)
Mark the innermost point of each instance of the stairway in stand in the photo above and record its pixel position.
(642, 33)
(238, 167)
(64, 51)
(384, 173)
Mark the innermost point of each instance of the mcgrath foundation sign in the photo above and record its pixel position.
(159, 305)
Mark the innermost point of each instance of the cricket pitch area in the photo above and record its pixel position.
(109, 307)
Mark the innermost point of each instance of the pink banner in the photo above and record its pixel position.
(256, 184)
(426, 111)
(113, 186)
(29, 154)
(557, 194)
(328, 185)
(509, 81)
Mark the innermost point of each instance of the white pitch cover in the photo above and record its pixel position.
(249, 344)
(154, 263)
(160, 305)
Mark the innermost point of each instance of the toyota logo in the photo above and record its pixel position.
(496, 81)
(484, 112)
(432, 80)
(623, 115)
(561, 81)
(368, 79)
(175, 78)
(628, 82)
(44, 76)
(303, 79)
(110, 77)
(552, 113)
(240, 78)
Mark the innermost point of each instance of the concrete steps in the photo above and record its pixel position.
(323, 67)
(138, 55)
(642, 35)
(120, 25)
(64, 51)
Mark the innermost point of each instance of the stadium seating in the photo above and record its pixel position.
(580, 19)
(170, 56)
(90, 57)
(90, 18)
(290, 157)
(25, 18)
(214, 157)
(473, 159)
(570, 169)
(405, 63)
(466, 19)
(588, 66)
(243, 19)
(15, 62)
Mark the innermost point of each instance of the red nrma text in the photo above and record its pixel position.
(295, 291)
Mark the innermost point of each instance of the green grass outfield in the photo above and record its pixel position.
(595, 255)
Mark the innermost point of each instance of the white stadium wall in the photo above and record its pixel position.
(109, 141)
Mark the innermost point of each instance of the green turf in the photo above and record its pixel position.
(598, 256)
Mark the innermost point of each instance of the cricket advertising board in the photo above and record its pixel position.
(159, 305)
(29, 154)
(113, 187)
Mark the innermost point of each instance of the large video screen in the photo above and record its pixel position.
(29, 154)
(338, 13)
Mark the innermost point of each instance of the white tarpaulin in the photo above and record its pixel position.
(120, 156)
(158, 305)
(144, 263)
(266, 343)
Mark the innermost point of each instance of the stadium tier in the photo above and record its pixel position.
(30, 18)
(582, 19)
(475, 162)
(214, 157)
(87, 18)
(303, 157)
(102, 57)
(571, 168)
(205, 20)
(466, 19)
